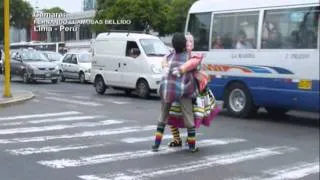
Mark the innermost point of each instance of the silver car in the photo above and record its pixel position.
(31, 65)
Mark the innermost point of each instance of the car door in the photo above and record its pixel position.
(130, 66)
(66, 65)
(74, 68)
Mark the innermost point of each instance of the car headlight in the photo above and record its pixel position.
(57, 68)
(156, 70)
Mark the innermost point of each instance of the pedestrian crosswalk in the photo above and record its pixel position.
(69, 139)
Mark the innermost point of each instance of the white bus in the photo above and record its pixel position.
(259, 53)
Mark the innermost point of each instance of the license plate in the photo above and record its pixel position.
(305, 84)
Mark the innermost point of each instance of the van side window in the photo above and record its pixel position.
(235, 30)
(199, 27)
(132, 49)
(295, 28)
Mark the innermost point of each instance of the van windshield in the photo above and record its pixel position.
(154, 47)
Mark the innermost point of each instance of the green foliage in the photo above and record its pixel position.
(165, 16)
(54, 10)
(21, 15)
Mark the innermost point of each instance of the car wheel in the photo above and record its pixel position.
(25, 77)
(100, 85)
(82, 77)
(54, 81)
(143, 89)
(239, 101)
(63, 79)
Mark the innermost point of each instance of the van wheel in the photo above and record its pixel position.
(82, 77)
(143, 89)
(238, 101)
(100, 85)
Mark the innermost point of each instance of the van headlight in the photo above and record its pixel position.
(87, 71)
(156, 70)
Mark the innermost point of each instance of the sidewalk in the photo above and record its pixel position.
(17, 98)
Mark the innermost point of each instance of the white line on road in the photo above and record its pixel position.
(150, 138)
(39, 115)
(51, 149)
(296, 171)
(105, 158)
(207, 162)
(74, 101)
(104, 132)
(57, 127)
(64, 119)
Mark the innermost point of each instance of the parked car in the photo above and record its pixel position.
(129, 62)
(32, 65)
(76, 65)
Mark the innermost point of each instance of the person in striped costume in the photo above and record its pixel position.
(177, 86)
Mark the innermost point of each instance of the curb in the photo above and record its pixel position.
(15, 101)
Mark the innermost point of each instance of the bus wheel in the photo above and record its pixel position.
(239, 101)
(276, 112)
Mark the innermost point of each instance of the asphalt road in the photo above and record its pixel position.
(69, 132)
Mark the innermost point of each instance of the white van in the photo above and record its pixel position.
(127, 61)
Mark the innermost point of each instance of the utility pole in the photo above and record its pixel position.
(6, 16)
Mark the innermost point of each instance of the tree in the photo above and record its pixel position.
(166, 16)
(54, 10)
(21, 15)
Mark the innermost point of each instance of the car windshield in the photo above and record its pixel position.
(84, 58)
(154, 47)
(53, 56)
(33, 56)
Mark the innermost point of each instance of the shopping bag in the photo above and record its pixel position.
(205, 110)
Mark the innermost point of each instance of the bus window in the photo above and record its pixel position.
(295, 28)
(199, 27)
(235, 30)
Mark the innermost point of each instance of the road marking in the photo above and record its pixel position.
(82, 97)
(84, 134)
(106, 158)
(64, 119)
(74, 101)
(206, 162)
(150, 138)
(296, 171)
(119, 102)
(39, 115)
(57, 127)
(51, 149)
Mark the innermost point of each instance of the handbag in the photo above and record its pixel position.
(205, 110)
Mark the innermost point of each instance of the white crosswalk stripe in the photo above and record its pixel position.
(57, 127)
(296, 171)
(105, 158)
(71, 101)
(64, 119)
(84, 134)
(43, 115)
(51, 149)
(206, 162)
(132, 140)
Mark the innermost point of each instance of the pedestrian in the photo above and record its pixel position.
(176, 87)
(204, 109)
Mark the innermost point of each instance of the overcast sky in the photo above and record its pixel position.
(67, 5)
